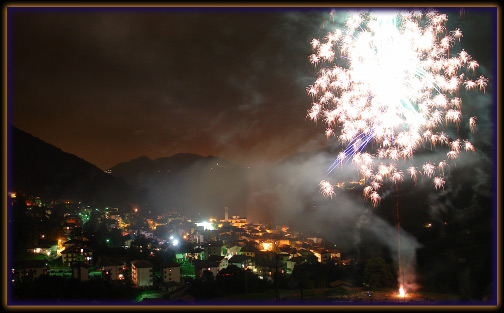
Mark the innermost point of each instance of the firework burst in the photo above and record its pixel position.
(391, 79)
(326, 188)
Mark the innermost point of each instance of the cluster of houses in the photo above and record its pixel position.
(208, 247)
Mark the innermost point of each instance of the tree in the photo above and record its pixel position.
(236, 280)
(207, 276)
(378, 273)
(115, 236)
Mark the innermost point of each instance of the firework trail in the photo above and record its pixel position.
(391, 78)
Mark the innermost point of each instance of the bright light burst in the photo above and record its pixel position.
(326, 188)
(439, 182)
(402, 292)
(391, 79)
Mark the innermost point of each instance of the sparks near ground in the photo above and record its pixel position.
(392, 79)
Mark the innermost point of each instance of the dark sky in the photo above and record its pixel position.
(110, 85)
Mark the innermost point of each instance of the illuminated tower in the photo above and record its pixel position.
(226, 213)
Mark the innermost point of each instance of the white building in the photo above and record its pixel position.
(141, 273)
(171, 272)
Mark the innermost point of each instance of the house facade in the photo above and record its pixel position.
(141, 273)
(112, 269)
(213, 248)
(242, 261)
(171, 272)
(77, 254)
(80, 271)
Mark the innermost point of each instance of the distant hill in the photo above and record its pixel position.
(189, 183)
(138, 171)
(41, 169)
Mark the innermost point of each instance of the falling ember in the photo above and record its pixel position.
(375, 198)
(472, 123)
(442, 166)
(367, 191)
(439, 182)
(428, 169)
(468, 146)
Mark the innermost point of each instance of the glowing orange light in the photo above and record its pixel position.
(402, 292)
(267, 246)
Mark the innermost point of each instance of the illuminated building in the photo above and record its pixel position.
(205, 225)
(223, 262)
(141, 273)
(213, 248)
(82, 241)
(267, 246)
(247, 253)
(234, 250)
(267, 269)
(236, 220)
(111, 269)
(45, 249)
(201, 266)
(80, 271)
(242, 261)
(292, 262)
(171, 272)
(76, 254)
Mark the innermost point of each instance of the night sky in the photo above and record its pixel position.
(110, 85)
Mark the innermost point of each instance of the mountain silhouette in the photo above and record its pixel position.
(37, 168)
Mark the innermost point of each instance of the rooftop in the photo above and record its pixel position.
(141, 263)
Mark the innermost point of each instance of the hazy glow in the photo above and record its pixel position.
(206, 225)
(267, 246)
